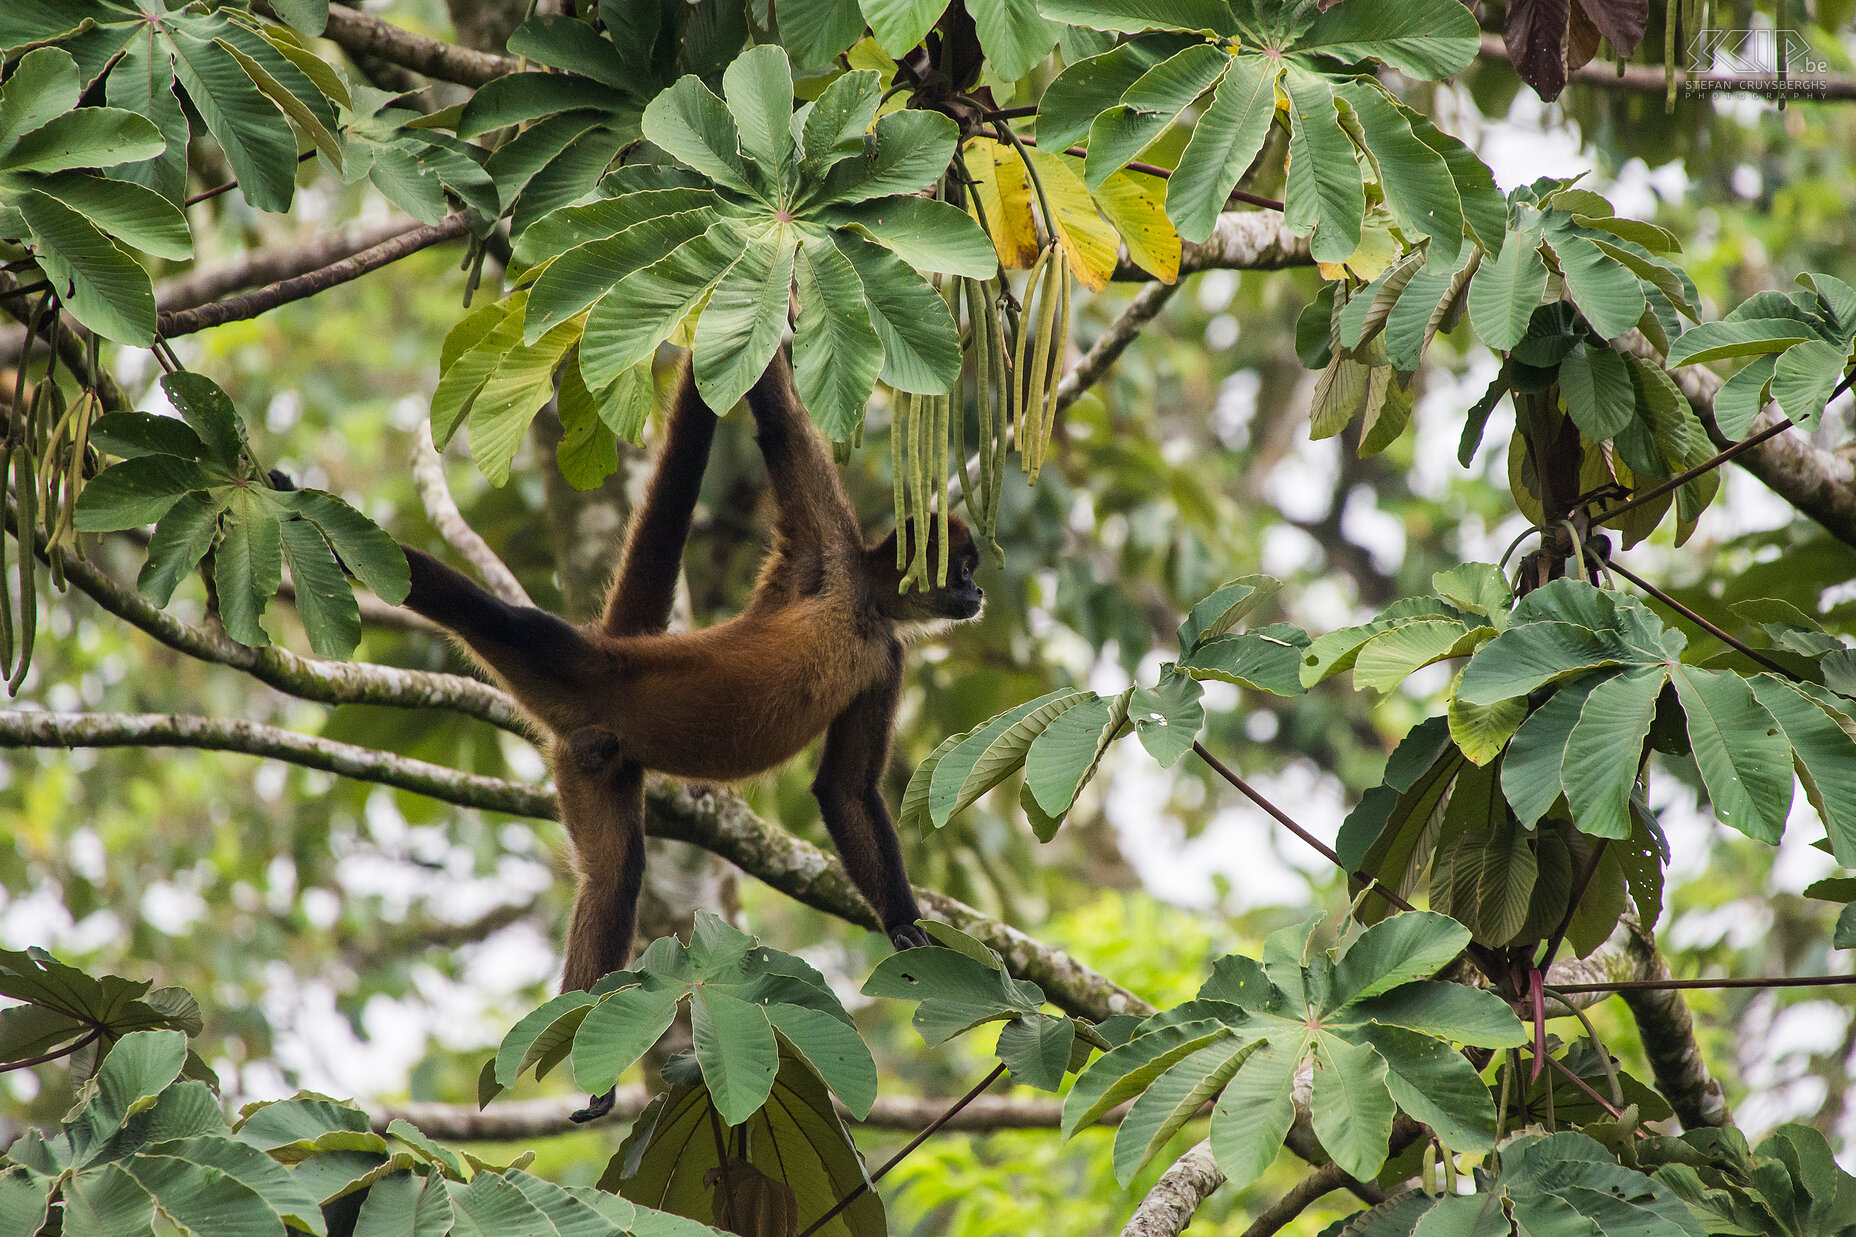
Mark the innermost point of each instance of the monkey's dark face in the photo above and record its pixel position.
(958, 600)
(961, 599)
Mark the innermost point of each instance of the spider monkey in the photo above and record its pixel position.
(818, 648)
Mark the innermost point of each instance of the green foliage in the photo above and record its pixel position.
(64, 1011)
(774, 202)
(961, 984)
(748, 1004)
(1373, 1026)
(572, 122)
(196, 480)
(1561, 1183)
(1058, 740)
(1128, 97)
(245, 79)
(420, 170)
(1800, 344)
(147, 1150)
(1788, 1186)
(793, 1150)
(79, 224)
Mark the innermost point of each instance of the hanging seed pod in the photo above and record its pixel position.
(1052, 375)
(943, 410)
(898, 434)
(1032, 381)
(1021, 365)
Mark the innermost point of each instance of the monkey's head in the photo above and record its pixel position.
(959, 599)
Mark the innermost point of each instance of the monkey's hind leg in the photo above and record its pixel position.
(602, 805)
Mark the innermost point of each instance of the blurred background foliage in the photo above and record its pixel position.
(367, 942)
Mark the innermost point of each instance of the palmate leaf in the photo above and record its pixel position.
(955, 990)
(1253, 1026)
(741, 994)
(720, 240)
(200, 485)
(669, 1162)
(1223, 144)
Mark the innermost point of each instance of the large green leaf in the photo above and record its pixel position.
(1417, 181)
(1742, 753)
(688, 121)
(1596, 385)
(1254, 1113)
(250, 128)
(928, 235)
(1718, 341)
(1423, 39)
(1322, 191)
(921, 344)
(1171, 1100)
(1351, 1109)
(758, 85)
(735, 1046)
(627, 324)
(836, 353)
(582, 275)
(1223, 144)
(1508, 290)
(1532, 769)
(1149, 105)
(1605, 748)
(1013, 35)
(1823, 753)
(746, 315)
(1134, 16)
(1128, 1069)
(907, 151)
(619, 1030)
(105, 289)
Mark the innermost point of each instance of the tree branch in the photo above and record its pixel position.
(716, 821)
(271, 264)
(311, 678)
(250, 304)
(546, 1117)
(428, 477)
(1668, 1034)
(1819, 483)
(358, 34)
(32, 728)
(1109, 345)
(1650, 79)
(1168, 1207)
(1241, 240)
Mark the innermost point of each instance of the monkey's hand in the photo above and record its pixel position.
(908, 936)
(597, 1106)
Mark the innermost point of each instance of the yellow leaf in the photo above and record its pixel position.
(1378, 248)
(1136, 205)
(1088, 239)
(1005, 198)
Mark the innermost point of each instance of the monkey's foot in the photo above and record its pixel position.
(908, 936)
(591, 747)
(597, 1106)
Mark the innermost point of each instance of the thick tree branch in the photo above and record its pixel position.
(522, 1120)
(330, 682)
(1168, 1207)
(251, 304)
(358, 34)
(1649, 78)
(271, 264)
(428, 476)
(1668, 1034)
(1109, 345)
(1241, 240)
(1819, 483)
(31, 728)
(716, 821)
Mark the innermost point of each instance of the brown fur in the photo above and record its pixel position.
(816, 650)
